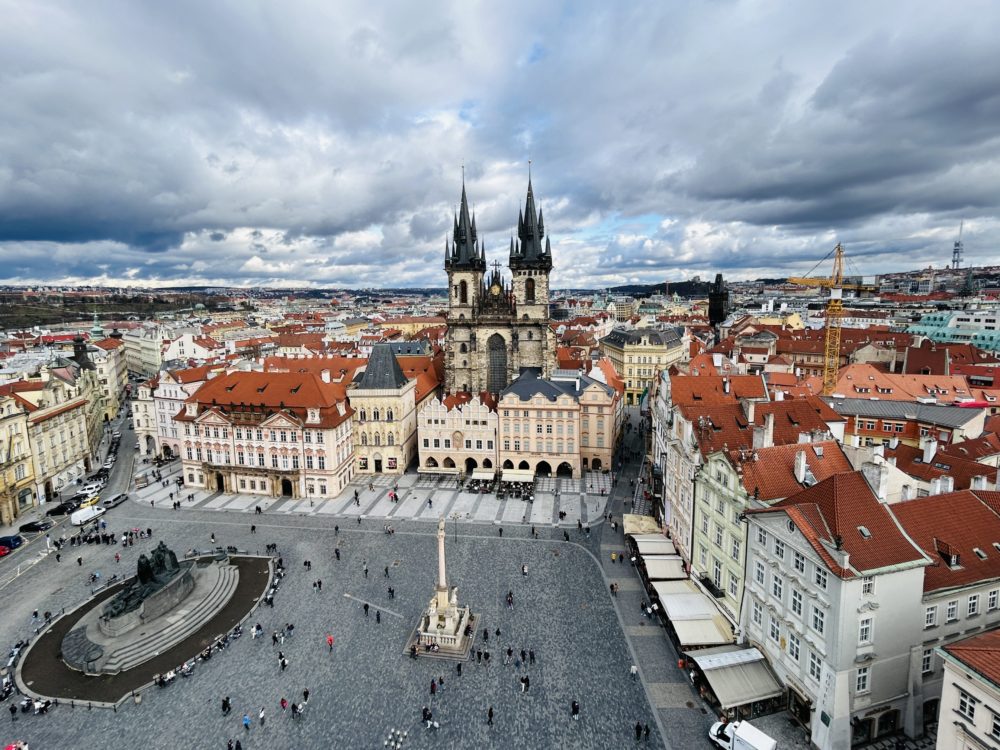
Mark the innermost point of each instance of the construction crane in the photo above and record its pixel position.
(834, 314)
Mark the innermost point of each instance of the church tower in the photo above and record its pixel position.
(530, 264)
(465, 262)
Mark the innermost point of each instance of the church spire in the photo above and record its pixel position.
(466, 253)
(531, 250)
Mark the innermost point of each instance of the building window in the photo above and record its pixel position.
(274, 461)
(779, 549)
(868, 585)
(295, 462)
(865, 631)
(995, 727)
(761, 537)
(799, 561)
(702, 555)
(793, 647)
(820, 578)
(774, 630)
(777, 586)
(321, 462)
(758, 613)
(951, 613)
(718, 535)
(797, 602)
(930, 617)
(973, 605)
(704, 524)
(967, 705)
(309, 462)
(818, 619)
(863, 683)
(927, 661)
(427, 443)
(717, 573)
(735, 550)
(758, 572)
(991, 600)
(734, 585)
(815, 670)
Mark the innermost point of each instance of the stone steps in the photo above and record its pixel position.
(187, 622)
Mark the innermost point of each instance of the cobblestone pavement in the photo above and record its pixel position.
(367, 687)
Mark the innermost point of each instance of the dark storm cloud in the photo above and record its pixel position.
(323, 143)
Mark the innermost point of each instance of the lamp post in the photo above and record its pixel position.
(454, 517)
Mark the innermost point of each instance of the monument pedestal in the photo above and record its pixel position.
(445, 630)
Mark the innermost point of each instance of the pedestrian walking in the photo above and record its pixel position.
(253, 529)
(434, 687)
(458, 669)
(366, 609)
(305, 695)
(366, 570)
(479, 656)
(319, 584)
(524, 657)
(574, 711)
(13, 712)
(261, 716)
(645, 732)
(336, 552)
(634, 671)
(531, 656)
(284, 704)
(246, 722)
(489, 717)
(213, 537)
(386, 571)
(638, 731)
(329, 642)
(378, 617)
(284, 664)
(524, 571)
(295, 711)
(614, 557)
(501, 531)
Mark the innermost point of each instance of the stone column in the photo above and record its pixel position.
(442, 578)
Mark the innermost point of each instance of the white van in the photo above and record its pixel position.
(86, 515)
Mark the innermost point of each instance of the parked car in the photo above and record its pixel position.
(36, 527)
(12, 542)
(92, 488)
(4, 551)
(91, 501)
(116, 434)
(111, 502)
(63, 509)
(109, 463)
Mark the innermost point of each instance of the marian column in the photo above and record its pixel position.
(442, 578)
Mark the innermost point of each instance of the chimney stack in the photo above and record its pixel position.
(800, 466)
(325, 376)
(877, 476)
(929, 446)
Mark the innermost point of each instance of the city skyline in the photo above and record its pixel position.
(325, 146)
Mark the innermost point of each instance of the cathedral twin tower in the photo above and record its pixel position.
(495, 328)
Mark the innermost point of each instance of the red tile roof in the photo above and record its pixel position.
(711, 389)
(463, 397)
(835, 510)
(980, 653)
(984, 446)
(910, 460)
(953, 523)
(771, 475)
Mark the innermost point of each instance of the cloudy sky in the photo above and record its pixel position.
(322, 143)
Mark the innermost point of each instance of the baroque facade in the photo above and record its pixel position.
(497, 328)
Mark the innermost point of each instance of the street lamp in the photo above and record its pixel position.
(454, 517)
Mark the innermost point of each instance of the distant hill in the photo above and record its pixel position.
(683, 288)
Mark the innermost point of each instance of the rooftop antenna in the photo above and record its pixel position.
(958, 250)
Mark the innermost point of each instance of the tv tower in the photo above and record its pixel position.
(957, 250)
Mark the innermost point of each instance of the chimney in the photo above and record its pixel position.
(908, 492)
(768, 430)
(748, 409)
(800, 466)
(929, 446)
(894, 443)
(779, 395)
(725, 385)
(978, 483)
(877, 476)
(325, 376)
(935, 486)
(804, 437)
(947, 484)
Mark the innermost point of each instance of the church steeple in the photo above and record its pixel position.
(530, 251)
(465, 250)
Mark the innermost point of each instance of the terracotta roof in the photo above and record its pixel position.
(866, 381)
(710, 389)
(108, 344)
(980, 653)
(984, 446)
(233, 394)
(962, 470)
(611, 374)
(795, 416)
(462, 398)
(949, 524)
(769, 473)
(836, 510)
(193, 374)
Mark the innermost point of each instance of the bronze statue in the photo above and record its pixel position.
(151, 576)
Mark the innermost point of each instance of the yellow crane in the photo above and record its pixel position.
(834, 313)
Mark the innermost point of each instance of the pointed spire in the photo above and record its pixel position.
(466, 252)
(531, 251)
(541, 224)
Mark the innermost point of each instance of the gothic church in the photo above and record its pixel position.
(497, 328)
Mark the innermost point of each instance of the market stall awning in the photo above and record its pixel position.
(438, 470)
(517, 475)
(658, 546)
(737, 675)
(710, 632)
(664, 567)
(667, 588)
(486, 475)
(636, 524)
